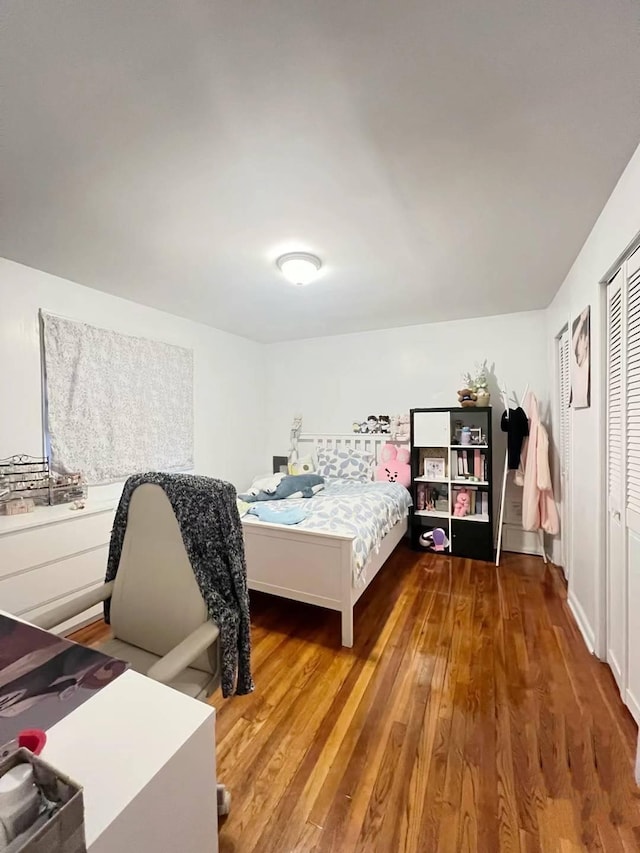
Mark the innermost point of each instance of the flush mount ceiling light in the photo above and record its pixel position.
(299, 267)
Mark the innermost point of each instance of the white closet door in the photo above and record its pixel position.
(632, 470)
(616, 563)
(564, 343)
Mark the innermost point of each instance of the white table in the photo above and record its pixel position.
(145, 757)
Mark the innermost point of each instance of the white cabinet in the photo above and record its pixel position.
(52, 554)
(42, 544)
(21, 593)
(431, 429)
(145, 756)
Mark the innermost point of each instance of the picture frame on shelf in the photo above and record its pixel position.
(434, 468)
(476, 437)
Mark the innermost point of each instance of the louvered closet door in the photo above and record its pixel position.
(564, 383)
(616, 563)
(632, 470)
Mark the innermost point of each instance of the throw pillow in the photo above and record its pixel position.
(345, 462)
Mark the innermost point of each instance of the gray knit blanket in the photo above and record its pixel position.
(208, 518)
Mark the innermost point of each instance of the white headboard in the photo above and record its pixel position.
(309, 443)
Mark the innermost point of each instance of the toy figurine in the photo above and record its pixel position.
(463, 501)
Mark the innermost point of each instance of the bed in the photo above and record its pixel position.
(330, 558)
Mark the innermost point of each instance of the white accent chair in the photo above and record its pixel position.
(159, 619)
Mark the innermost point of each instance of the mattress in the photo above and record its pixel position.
(364, 511)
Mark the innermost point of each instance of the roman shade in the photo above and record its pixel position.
(115, 404)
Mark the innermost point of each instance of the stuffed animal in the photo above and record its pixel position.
(466, 398)
(393, 466)
(400, 428)
(435, 539)
(290, 486)
(461, 507)
(304, 465)
(373, 424)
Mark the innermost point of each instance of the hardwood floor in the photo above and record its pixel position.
(469, 716)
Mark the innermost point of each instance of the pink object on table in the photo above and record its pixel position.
(33, 740)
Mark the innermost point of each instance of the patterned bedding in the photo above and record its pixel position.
(366, 511)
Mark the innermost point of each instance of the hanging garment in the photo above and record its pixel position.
(516, 424)
(539, 509)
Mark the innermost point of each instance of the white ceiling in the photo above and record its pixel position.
(445, 158)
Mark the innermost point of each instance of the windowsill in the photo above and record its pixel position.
(43, 515)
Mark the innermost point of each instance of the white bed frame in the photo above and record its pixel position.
(310, 566)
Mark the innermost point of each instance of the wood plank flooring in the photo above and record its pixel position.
(469, 716)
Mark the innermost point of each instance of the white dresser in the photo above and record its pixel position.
(51, 554)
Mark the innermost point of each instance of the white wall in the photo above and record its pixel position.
(615, 229)
(334, 381)
(229, 396)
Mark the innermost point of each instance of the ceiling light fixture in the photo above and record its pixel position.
(299, 267)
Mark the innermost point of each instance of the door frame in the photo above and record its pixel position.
(565, 488)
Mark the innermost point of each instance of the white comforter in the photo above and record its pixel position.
(365, 511)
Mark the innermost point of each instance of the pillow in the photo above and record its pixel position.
(305, 465)
(347, 463)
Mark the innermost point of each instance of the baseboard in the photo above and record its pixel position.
(633, 706)
(583, 623)
(616, 669)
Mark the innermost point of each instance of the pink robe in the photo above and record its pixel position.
(539, 509)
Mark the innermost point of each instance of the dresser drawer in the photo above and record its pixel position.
(40, 586)
(24, 549)
(76, 622)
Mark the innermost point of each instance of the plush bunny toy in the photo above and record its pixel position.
(461, 507)
(393, 466)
